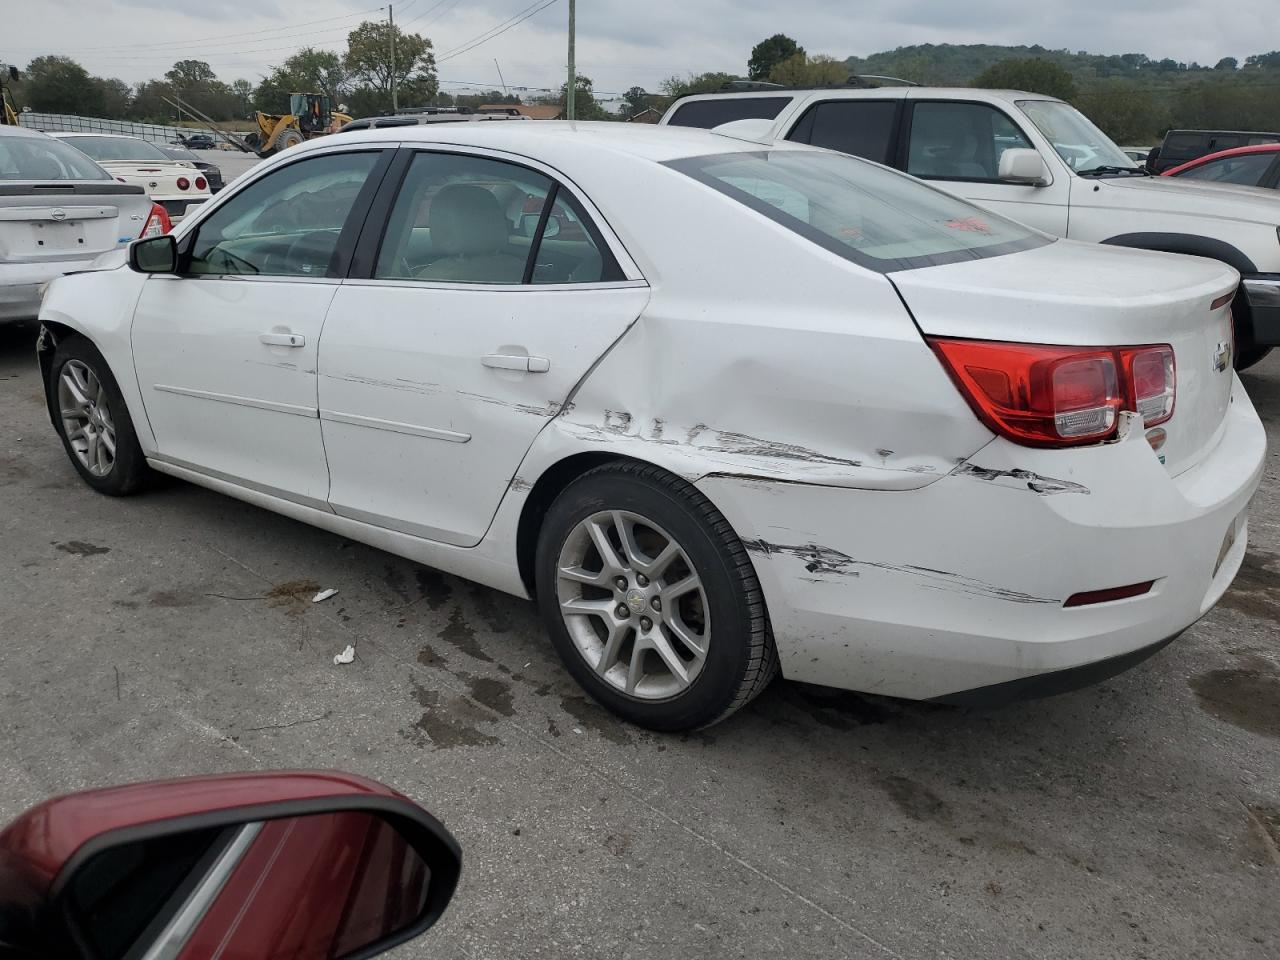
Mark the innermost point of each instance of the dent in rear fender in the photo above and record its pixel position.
(99, 306)
(823, 403)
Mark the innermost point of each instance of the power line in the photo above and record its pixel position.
(435, 6)
(495, 31)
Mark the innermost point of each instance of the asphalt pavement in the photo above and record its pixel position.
(173, 634)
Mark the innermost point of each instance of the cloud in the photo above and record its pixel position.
(620, 44)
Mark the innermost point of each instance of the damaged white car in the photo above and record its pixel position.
(724, 410)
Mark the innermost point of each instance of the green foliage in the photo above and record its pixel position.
(1127, 115)
(1227, 63)
(805, 71)
(1031, 74)
(767, 54)
(585, 106)
(55, 84)
(307, 71)
(673, 87)
(368, 61)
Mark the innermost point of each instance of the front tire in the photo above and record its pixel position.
(91, 418)
(651, 599)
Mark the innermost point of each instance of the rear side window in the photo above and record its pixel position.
(1189, 145)
(875, 217)
(864, 128)
(43, 158)
(711, 113)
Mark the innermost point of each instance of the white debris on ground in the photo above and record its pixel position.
(324, 595)
(346, 656)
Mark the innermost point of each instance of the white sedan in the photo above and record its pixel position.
(723, 409)
(174, 184)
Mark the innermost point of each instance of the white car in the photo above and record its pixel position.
(723, 410)
(58, 212)
(1037, 160)
(174, 184)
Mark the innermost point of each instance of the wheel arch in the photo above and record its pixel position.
(1187, 243)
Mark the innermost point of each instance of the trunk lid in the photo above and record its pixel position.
(1094, 296)
(159, 179)
(47, 222)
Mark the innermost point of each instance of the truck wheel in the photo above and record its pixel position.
(287, 139)
(651, 599)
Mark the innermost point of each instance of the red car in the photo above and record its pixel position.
(1256, 166)
(286, 865)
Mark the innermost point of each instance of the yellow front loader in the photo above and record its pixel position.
(311, 115)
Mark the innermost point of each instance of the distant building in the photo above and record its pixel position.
(647, 115)
(534, 111)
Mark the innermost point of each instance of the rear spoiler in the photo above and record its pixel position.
(78, 188)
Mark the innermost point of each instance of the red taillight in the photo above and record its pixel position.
(1151, 375)
(183, 183)
(157, 223)
(201, 183)
(1052, 396)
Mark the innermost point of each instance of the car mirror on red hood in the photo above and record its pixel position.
(310, 865)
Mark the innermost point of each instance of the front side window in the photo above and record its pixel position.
(960, 141)
(1247, 169)
(877, 218)
(1078, 142)
(287, 224)
(44, 158)
(118, 148)
(864, 128)
(473, 220)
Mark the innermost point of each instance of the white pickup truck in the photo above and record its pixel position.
(1034, 159)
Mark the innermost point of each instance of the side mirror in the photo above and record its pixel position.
(1020, 165)
(310, 865)
(154, 254)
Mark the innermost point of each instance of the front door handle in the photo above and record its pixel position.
(523, 362)
(283, 339)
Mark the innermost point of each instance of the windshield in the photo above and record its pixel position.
(866, 213)
(118, 148)
(43, 158)
(1082, 145)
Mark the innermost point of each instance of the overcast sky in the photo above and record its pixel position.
(621, 43)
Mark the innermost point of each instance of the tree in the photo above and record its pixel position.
(1263, 61)
(1125, 111)
(307, 71)
(116, 97)
(636, 100)
(55, 84)
(700, 83)
(767, 54)
(585, 106)
(1227, 63)
(242, 90)
(368, 60)
(804, 71)
(1031, 74)
(191, 75)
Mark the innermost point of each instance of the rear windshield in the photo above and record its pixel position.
(876, 217)
(712, 113)
(43, 158)
(118, 148)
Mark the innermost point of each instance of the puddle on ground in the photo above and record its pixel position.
(1256, 588)
(448, 722)
(293, 596)
(1247, 697)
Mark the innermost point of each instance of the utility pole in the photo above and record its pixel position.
(391, 19)
(572, 88)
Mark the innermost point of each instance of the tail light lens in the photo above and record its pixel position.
(1151, 372)
(183, 183)
(1052, 396)
(157, 223)
(201, 183)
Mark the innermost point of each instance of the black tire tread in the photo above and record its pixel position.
(763, 664)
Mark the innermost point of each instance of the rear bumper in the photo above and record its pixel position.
(1263, 293)
(956, 590)
(22, 285)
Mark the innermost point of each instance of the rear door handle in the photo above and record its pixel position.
(283, 339)
(507, 361)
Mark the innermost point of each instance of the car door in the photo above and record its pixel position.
(225, 349)
(488, 294)
(956, 145)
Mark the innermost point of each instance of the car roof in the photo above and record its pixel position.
(8, 131)
(547, 137)
(873, 93)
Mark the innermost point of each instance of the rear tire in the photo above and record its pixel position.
(669, 630)
(90, 416)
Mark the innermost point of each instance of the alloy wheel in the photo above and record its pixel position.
(633, 604)
(86, 418)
